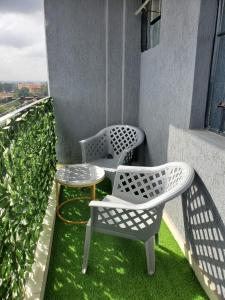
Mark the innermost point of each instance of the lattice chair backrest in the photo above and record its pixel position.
(143, 184)
(98, 146)
(122, 137)
(138, 187)
(174, 175)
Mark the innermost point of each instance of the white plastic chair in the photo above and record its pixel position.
(134, 210)
(111, 147)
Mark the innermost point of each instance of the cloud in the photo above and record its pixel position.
(21, 6)
(12, 39)
(36, 51)
(20, 31)
(26, 64)
(22, 40)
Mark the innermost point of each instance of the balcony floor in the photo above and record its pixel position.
(117, 267)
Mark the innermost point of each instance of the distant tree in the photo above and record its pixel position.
(8, 86)
(24, 92)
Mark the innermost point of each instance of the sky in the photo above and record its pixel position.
(22, 41)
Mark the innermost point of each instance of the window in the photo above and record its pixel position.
(215, 118)
(150, 24)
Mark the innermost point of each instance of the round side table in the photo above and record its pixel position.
(77, 176)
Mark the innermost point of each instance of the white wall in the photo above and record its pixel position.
(173, 96)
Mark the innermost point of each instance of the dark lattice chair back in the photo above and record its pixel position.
(139, 187)
(122, 138)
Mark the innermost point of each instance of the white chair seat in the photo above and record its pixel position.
(108, 164)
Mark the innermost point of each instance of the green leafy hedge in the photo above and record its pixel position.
(27, 168)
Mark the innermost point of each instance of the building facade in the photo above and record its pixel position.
(34, 88)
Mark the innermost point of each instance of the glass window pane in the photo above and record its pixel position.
(216, 112)
(151, 25)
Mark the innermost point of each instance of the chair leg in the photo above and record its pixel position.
(150, 255)
(157, 239)
(111, 177)
(86, 247)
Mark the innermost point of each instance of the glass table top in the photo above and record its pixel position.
(79, 175)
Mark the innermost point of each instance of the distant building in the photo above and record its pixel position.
(34, 88)
(6, 95)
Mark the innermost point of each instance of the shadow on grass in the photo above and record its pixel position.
(117, 267)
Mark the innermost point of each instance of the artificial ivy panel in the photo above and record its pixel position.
(27, 169)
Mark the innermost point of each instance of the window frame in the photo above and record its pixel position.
(147, 22)
(214, 61)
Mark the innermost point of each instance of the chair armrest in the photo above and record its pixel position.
(112, 205)
(85, 146)
(126, 156)
(90, 139)
(158, 201)
(94, 147)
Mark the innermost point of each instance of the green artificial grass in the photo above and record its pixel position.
(117, 267)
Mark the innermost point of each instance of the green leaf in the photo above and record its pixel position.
(27, 168)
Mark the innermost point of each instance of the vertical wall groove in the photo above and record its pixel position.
(107, 62)
(123, 59)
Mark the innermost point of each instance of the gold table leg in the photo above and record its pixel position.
(64, 203)
(93, 192)
(57, 192)
(59, 206)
